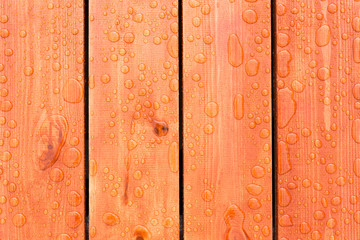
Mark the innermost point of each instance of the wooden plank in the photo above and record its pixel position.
(134, 128)
(42, 120)
(227, 119)
(318, 119)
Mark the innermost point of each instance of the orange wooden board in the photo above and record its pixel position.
(227, 120)
(41, 120)
(134, 126)
(318, 91)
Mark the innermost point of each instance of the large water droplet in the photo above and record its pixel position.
(174, 157)
(322, 37)
(286, 107)
(284, 158)
(235, 51)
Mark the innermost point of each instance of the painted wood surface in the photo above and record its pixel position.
(318, 92)
(227, 120)
(134, 126)
(41, 120)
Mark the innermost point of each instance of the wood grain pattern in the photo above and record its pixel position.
(318, 91)
(134, 128)
(227, 119)
(41, 120)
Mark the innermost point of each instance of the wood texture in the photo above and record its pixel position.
(41, 120)
(227, 119)
(318, 92)
(134, 140)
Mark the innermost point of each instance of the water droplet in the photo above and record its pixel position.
(5, 156)
(356, 50)
(141, 233)
(51, 139)
(323, 73)
(297, 86)
(28, 71)
(283, 63)
(111, 219)
(284, 158)
(235, 51)
(129, 37)
(132, 144)
(72, 91)
(19, 220)
(258, 172)
(239, 106)
(73, 219)
(286, 107)
(331, 223)
(200, 58)
(356, 24)
(234, 219)
(56, 175)
(250, 16)
(105, 78)
(5, 106)
(254, 189)
(305, 227)
(285, 221)
(63, 236)
(209, 129)
(174, 157)
(114, 36)
(322, 37)
(252, 67)
(357, 167)
(172, 46)
(72, 157)
(356, 91)
(254, 203)
(284, 197)
(319, 215)
(356, 130)
(283, 39)
(212, 109)
(357, 217)
(168, 222)
(74, 198)
(207, 196)
(92, 167)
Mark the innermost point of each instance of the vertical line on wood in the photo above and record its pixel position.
(274, 120)
(181, 123)
(86, 110)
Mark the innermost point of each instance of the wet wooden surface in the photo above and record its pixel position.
(134, 125)
(42, 120)
(134, 119)
(227, 120)
(318, 92)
